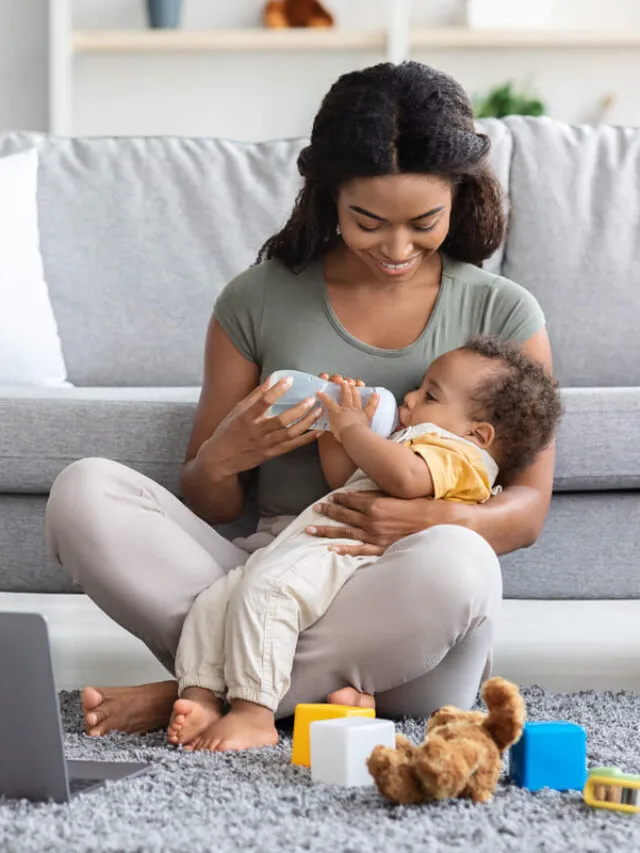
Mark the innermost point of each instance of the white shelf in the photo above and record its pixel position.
(225, 41)
(250, 40)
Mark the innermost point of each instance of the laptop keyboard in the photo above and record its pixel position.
(78, 785)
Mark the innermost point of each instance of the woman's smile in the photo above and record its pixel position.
(397, 268)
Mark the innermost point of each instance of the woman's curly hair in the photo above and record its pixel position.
(391, 119)
(518, 398)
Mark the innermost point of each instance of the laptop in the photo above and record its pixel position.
(32, 761)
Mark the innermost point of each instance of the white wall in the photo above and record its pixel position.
(23, 64)
(264, 95)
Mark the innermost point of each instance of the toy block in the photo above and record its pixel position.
(307, 714)
(340, 748)
(550, 755)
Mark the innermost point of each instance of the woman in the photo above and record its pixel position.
(378, 268)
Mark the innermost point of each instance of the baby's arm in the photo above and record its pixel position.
(337, 466)
(335, 462)
(396, 469)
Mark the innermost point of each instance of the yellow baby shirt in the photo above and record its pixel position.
(460, 471)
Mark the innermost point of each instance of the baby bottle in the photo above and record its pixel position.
(306, 385)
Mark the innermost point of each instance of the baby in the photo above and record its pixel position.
(481, 409)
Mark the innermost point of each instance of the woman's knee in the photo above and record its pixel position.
(455, 565)
(75, 498)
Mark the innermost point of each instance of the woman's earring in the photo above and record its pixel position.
(338, 231)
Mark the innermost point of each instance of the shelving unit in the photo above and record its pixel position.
(395, 42)
(65, 43)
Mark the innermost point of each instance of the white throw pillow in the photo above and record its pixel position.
(30, 348)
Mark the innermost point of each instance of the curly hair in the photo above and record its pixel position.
(390, 119)
(518, 398)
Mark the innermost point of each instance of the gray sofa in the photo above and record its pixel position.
(140, 235)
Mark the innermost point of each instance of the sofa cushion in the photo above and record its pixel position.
(139, 236)
(501, 154)
(597, 440)
(589, 549)
(573, 241)
(25, 565)
(43, 430)
(30, 347)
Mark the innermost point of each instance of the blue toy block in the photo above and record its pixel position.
(550, 755)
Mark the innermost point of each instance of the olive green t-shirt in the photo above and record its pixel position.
(284, 321)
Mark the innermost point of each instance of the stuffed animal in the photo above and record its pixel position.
(296, 13)
(461, 754)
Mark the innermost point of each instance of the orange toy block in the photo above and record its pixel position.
(307, 714)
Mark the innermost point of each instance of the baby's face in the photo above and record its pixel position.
(443, 398)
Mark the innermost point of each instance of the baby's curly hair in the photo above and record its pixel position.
(385, 120)
(518, 398)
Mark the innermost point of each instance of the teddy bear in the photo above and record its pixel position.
(296, 13)
(461, 753)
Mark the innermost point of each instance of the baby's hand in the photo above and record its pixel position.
(348, 412)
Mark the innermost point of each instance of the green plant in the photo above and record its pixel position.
(504, 101)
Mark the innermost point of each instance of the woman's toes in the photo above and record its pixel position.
(93, 718)
(352, 697)
(91, 698)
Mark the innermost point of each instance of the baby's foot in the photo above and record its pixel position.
(352, 697)
(246, 726)
(195, 711)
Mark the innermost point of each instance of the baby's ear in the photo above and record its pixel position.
(483, 434)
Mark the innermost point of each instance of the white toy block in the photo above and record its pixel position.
(340, 748)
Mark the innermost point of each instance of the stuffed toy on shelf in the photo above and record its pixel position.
(296, 13)
(461, 754)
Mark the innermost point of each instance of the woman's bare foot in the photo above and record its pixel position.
(352, 697)
(193, 712)
(135, 710)
(246, 726)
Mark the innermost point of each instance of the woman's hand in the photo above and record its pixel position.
(342, 380)
(378, 521)
(247, 437)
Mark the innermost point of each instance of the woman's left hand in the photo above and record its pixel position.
(378, 521)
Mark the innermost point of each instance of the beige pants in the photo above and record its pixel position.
(415, 627)
(239, 638)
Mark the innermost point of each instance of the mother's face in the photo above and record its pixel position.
(393, 223)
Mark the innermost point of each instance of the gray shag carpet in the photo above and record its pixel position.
(191, 802)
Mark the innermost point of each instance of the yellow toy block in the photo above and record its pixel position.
(307, 714)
